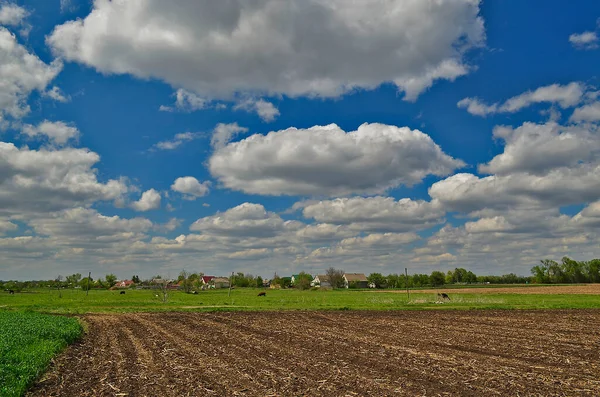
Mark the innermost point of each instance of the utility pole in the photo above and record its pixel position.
(406, 282)
(230, 282)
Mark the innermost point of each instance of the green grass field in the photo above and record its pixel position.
(28, 341)
(76, 301)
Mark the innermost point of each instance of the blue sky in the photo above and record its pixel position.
(154, 137)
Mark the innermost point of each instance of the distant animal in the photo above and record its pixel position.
(122, 292)
(195, 292)
(10, 291)
(443, 296)
(262, 294)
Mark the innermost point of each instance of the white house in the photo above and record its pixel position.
(320, 280)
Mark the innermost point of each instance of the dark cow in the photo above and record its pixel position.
(10, 291)
(262, 294)
(443, 296)
(122, 292)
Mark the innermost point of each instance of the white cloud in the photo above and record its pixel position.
(476, 107)
(223, 133)
(191, 187)
(375, 213)
(178, 140)
(186, 101)
(246, 219)
(11, 14)
(56, 131)
(589, 112)
(317, 48)
(538, 148)
(85, 223)
(564, 95)
(325, 160)
(584, 41)
(21, 72)
(6, 226)
(56, 94)
(46, 180)
(265, 110)
(150, 200)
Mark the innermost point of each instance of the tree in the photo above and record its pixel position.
(59, 284)
(162, 288)
(111, 280)
(86, 283)
(336, 277)
(437, 278)
(136, 279)
(185, 281)
(393, 281)
(73, 279)
(259, 282)
(377, 279)
(303, 281)
(592, 270)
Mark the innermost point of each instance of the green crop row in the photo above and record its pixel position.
(28, 341)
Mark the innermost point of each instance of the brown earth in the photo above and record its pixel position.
(587, 289)
(408, 353)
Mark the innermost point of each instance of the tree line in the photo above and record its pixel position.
(547, 272)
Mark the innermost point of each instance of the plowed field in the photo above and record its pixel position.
(410, 353)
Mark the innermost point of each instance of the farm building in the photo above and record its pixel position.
(357, 280)
(220, 282)
(206, 280)
(320, 280)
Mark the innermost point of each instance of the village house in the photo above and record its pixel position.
(124, 284)
(220, 282)
(356, 280)
(206, 280)
(320, 280)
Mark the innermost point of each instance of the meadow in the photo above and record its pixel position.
(28, 341)
(76, 301)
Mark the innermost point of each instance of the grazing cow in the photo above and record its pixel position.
(443, 296)
(10, 291)
(262, 294)
(122, 292)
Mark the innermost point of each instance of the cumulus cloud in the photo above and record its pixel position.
(6, 226)
(375, 213)
(86, 223)
(223, 133)
(319, 48)
(538, 148)
(39, 181)
(186, 101)
(325, 160)
(246, 219)
(12, 14)
(56, 94)
(150, 200)
(21, 72)
(584, 41)
(178, 140)
(57, 132)
(190, 187)
(265, 110)
(589, 113)
(565, 96)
